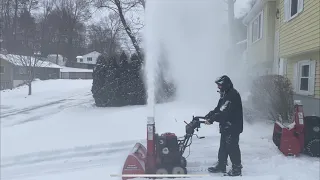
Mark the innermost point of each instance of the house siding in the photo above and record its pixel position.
(7, 77)
(262, 51)
(42, 73)
(317, 80)
(270, 17)
(302, 33)
(313, 56)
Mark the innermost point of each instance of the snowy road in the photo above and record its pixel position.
(63, 136)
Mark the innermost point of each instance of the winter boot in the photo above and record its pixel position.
(219, 167)
(235, 171)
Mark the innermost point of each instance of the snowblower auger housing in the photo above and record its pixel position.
(164, 153)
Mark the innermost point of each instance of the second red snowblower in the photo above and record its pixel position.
(301, 136)
(164, 153)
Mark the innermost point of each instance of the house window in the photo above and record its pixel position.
(81, 60)
(256, 28)
(89, 58)
(306, 77)
(292, 8)
(1, 69)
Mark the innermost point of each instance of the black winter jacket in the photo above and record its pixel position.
(228, 113)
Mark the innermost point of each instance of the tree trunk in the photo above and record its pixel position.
(128, 30)
(15, 19)
(30, 89)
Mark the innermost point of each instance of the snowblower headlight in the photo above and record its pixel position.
(165, 151)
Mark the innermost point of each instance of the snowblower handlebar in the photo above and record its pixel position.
(190, 127)
(194, 124)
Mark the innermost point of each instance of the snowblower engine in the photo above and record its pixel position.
(170, 149)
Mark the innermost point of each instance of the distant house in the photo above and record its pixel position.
(13, 71)
(88, 60)
(57, 59)
(75, 73)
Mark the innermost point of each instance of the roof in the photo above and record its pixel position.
(258, 6)
(19, 60)
(70, 69)
(93, 52)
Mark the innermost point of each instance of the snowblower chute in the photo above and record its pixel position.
(164, 153)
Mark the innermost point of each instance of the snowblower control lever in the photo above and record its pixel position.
(190, 127)
(194, 125)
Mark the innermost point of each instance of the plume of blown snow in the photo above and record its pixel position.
(195, 35)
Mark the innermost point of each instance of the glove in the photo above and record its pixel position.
(208, 115)
(207, 122)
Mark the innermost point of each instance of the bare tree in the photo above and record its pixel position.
(72, 14)
(120, 7)
(105, 36)
(27, 67)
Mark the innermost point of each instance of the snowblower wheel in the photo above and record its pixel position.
(162, 171)
(183, 162)
(313, 148)
(179, 170)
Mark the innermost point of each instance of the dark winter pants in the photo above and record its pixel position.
(229, 145)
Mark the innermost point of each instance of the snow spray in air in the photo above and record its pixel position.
(195, 35)
(151, 57)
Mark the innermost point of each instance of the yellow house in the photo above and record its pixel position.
(298, 29)
(284, 38)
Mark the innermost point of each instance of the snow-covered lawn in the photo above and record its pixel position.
(58, 133)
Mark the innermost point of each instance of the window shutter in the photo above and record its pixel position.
(295, 77)
(312, 76)
(286, 9)
(300, 5)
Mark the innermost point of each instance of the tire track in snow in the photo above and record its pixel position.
(14, 112)
(64, 160)
(54, 107)
(27, 110)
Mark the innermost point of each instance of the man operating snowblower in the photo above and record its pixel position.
(230, 117)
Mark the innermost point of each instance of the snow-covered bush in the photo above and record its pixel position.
(105, 86)
(272, 97)
(120, 82)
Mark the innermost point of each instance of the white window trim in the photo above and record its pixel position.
(261, 27)
(311, 80)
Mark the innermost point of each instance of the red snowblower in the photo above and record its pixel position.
(164, 153)
(302, 136)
